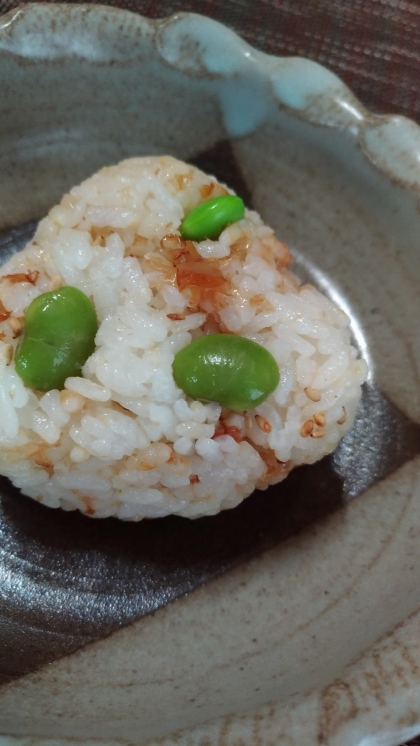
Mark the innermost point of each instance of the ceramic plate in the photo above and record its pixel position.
(291, 619)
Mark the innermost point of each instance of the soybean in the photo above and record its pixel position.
(57, 338)
(210, 218)
(226, 368)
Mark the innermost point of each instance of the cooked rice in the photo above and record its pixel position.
(123, 439)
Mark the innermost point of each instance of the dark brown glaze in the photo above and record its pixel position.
(66, 580)
(381, 440)
(221, 162)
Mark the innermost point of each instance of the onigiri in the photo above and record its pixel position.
(118, 436)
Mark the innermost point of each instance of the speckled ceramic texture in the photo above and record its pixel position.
(315, 639)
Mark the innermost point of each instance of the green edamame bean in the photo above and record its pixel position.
(211, 217)
(232, 370)
(57, 339)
